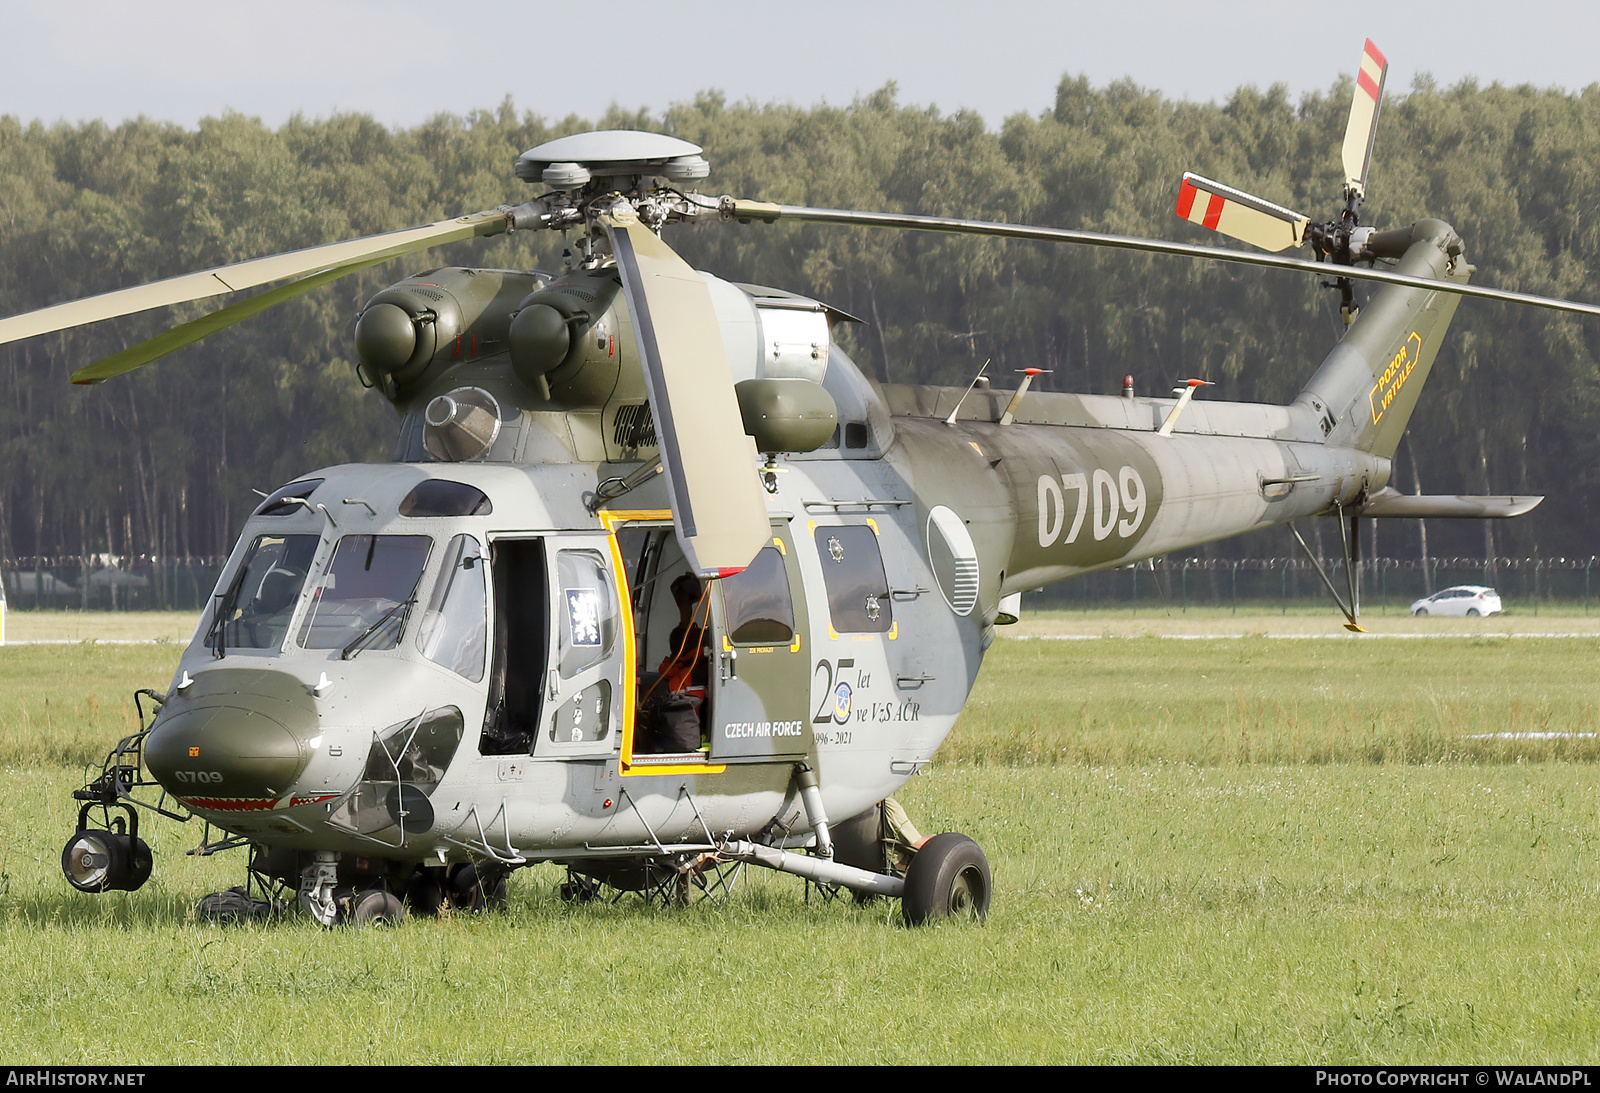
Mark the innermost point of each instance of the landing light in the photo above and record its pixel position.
(98, 861)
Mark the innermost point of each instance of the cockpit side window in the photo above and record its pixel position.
(454, 628)
(363, 599)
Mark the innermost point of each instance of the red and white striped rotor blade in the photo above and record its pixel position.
(1241, 215)
(1362, 129)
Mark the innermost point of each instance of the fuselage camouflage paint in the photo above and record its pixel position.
(957, 514)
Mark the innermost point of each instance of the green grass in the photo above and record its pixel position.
(1260, 700)
(1204, 851)
(68, 704)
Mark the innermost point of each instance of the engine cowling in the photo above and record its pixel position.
(413, 330)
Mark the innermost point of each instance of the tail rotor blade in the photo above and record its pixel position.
(1241, 215)
(1362, 128)
(717, 505)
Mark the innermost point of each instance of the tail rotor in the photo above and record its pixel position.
(1341, 241)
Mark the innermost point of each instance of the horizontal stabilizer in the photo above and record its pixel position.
(1390, 503)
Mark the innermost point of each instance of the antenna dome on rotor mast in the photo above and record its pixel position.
(570, 162)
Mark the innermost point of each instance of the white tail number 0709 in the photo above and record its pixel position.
(1119, 505)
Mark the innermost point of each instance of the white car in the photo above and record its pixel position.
(1471, 600)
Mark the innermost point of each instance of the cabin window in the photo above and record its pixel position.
(438, 497)
(756, 602)
(852, 572)
(454, 628)
(254, 612)
(587, 611)
(363, 599)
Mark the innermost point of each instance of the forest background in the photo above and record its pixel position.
(162, 462)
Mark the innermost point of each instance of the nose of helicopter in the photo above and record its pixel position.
(236, 741)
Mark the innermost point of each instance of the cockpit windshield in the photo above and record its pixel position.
(363, 599)
(255, 610)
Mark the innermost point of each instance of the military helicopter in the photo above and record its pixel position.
(659, 585)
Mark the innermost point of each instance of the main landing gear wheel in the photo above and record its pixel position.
(472, 889)
(949, 878)
(425, 892)
(377, 907)
(101, 861)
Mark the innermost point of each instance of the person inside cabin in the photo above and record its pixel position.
(675, 703)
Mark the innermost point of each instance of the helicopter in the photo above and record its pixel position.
(658, 585)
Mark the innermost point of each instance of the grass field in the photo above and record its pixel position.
(1231, 850)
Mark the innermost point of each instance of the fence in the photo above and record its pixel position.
(106, 582)
(1390, 585)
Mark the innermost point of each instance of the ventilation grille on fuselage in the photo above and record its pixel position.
(634, 427)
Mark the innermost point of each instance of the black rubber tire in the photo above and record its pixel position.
(231, 907)
(1473, 613)
(425, 892)
(858, 841)
(949, 878)
(469, 893)
(1420, 612)
(377, 907)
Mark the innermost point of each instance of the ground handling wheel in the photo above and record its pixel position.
(949, 878)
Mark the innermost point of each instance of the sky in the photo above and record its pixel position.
(403, 61)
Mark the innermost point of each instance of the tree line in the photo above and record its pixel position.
(163, 461)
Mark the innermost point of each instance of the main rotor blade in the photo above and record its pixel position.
(717, 505)
(188, 333)
(352, 254)
(761, 210)
(1362, 129)
(1241, 215)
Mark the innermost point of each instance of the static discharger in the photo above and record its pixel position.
(1185, 396)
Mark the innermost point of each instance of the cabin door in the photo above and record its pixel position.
(758, 678)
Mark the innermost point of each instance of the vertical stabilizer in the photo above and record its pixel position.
(1367, 387)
